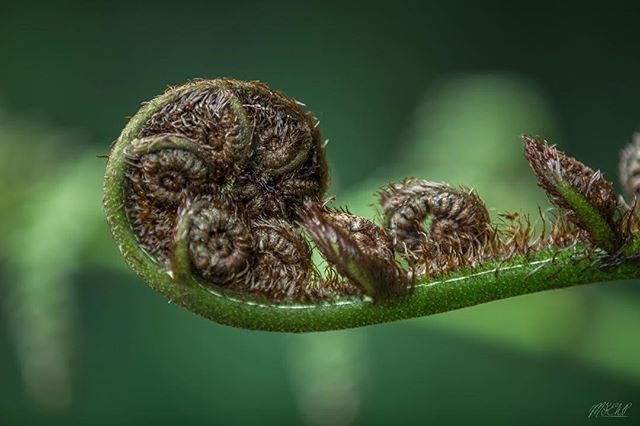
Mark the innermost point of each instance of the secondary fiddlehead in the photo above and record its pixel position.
(459, 223)
(217, 240)
(214, 193)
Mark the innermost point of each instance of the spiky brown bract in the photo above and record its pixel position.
(358, 249)
(629, 172)
(584, 196)
(629, 167)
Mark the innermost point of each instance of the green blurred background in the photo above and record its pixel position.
(436, 90)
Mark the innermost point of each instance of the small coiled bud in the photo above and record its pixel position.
(166, 175)
(459, 219)
(282, 134)
(220, 243)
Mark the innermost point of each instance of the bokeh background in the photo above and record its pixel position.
(437, 90)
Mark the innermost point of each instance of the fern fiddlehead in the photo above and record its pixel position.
(214, 189)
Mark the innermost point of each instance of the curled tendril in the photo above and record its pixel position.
(220, 244)
(165, 168)
(213, 191)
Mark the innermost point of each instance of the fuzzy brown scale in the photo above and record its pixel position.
(164, 172)
(563, 234)
(165, 175)
(281, 132)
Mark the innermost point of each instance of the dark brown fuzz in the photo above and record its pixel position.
(221, 173)
(152, 224)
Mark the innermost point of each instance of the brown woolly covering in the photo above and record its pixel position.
(282, 260)
(167, 174)
(283, 270)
